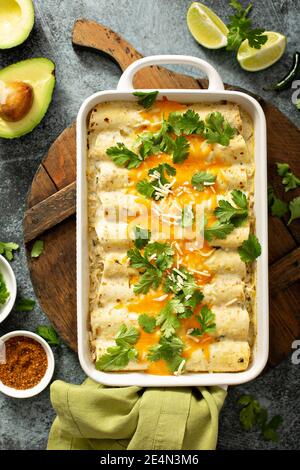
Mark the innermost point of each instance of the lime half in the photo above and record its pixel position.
(258, 59)
(206, 27)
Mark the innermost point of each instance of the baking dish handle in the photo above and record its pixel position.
(126, 80)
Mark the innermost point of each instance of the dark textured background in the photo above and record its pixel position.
(154, 27)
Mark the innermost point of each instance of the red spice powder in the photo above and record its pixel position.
(26, 363)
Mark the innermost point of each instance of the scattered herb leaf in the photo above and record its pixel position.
(141, 237)
(37, 249)
(200, 178)
(7, 249)
(218, 130)
(24, 305)
(122, 156)
(147, 322)
(294, 207)
(168, 349)
(206, 319)
(49, 334)
(117, 357)
(250, 249)
(146, 99)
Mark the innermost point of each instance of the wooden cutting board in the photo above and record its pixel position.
(50, 210)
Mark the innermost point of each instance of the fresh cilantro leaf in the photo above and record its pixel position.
(163, 254)
(159, 186)
(218, 130)
(206, 320)
(240, 28)
(145, 188)
(153, 143)
(294, 207)
(37, 249)
(4, 293)
(137, 260)
(289, 180)
(282, 168)
(279, 208)
(141, 237)
(218, 230)
(24, 305)
(7, 249)
(122, 156)
(147, 323)
(250, 249)
(182, 283)
(187, 216)
(168, 349)
(181, 149)
(167, 318)
(49, 334)
(149, 280)
(201, 179)
(187, 123)
(226, 212)
(250, 411)
(146, 99)
(118, 357)
(253, 415)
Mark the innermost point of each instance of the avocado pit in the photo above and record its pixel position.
(16, 99)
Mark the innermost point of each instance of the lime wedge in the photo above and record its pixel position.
(206, 27)
(258, 59)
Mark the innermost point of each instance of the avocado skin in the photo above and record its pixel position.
(40, 74)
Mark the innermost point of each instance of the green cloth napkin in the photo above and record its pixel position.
(92, 416)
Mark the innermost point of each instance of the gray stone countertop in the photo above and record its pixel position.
(153, 27)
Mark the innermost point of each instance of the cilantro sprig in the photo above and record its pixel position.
(240, 28)
(118, 357)
(250, 249)
(159, 185)
(277, 206)
(201, 179)
(218, 230)
(146, 99)
(227, 213)
(123, 157)
(253, 415)
(141, 237)
(218, 130)
(289, 179)
(147, 323)
(170, 350)
(187, 123)
(206, 320)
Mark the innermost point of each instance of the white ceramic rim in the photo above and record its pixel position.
(261, 347)
(11, 286)
(30, 392)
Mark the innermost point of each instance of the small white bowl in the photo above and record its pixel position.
(30, 392)
(11, 284)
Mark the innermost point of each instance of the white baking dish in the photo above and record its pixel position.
(215, 92)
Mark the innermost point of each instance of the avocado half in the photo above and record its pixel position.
(39, 73)
(16, 22)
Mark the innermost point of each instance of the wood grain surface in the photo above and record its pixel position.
(50, 213)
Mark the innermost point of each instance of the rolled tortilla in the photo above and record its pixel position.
(234, 239)
(226, 262)
(224, 288)
(224, 356)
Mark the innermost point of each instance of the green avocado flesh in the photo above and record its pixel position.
(16, 22)
(39, 73)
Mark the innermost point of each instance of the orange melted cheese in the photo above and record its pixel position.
(184, 194)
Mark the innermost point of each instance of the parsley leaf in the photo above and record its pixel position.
(206, 319)
(294, 207)
(289, 180)
(141, 237)
(168, 349)
(201, 178)
(187, 216)
(4, 293)
(147, 323)
(118, 357)
(49, 334)
(37, 249)
(218, 230)
(226, 212)
(24, 305)
(240, 28)
(181, 149)
(7, 248)
(217, 129)
(146, 99)
(187, 123)
(122, 156)
(250, 249)
(253, 415)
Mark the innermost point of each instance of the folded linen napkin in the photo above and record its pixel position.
(94, 417)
